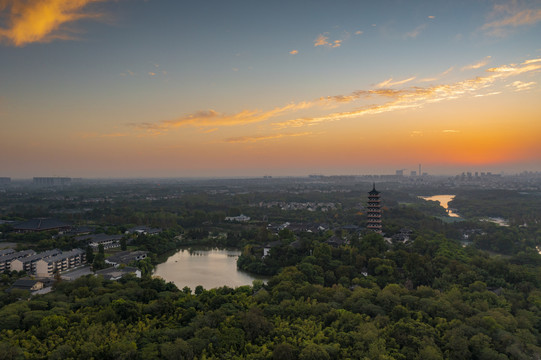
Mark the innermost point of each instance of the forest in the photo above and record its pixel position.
(432, 300)
(436, 296)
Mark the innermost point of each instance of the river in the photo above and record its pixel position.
(444, 202)
(210, 268)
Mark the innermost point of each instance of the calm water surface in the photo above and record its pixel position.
(444, 201)
(210, 268)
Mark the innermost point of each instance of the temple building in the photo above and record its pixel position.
(374, 211)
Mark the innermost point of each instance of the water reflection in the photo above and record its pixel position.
(444, 202)
(210, 268)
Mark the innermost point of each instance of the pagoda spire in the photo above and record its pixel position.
(374, 210)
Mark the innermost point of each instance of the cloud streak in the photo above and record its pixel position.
(212, 118)
(394, 100)
(389, 82)
(521, 86)
(42, 21)
(251, 139)
(478, 64)
(439, 76)
(511, 17)
(415, 32)
(98, 135)
(417, 97)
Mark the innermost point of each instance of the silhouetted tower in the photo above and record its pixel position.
(374, 211)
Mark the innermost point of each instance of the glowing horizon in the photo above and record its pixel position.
(97, 88)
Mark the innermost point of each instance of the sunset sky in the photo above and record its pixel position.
(166, 88)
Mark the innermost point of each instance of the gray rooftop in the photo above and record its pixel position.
(40, 225)
(41, 255)
(16, 255)
(64, 255)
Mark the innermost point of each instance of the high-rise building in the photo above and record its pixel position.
(52, 181)
(374, 211)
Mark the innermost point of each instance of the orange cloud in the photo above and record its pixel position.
(417, 97)
(30, 21)
(321, 40)
(294, 52)
(396, 99)
(531, 61)
(212, 118)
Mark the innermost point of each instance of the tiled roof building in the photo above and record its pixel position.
(61, 262)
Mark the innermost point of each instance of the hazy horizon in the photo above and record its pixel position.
(406, 174)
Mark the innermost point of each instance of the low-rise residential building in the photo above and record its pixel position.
(61, 262)
(144, 230)
(5, 260)
(126, 257)
(28, 263)
(27, 284)
(118, 273)
(108, 241)
(240, 218)
(81, 230)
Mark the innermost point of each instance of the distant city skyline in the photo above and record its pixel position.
(102, 88)
(57, 180)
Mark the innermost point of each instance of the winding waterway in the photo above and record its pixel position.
(444, 202)
(210, 268)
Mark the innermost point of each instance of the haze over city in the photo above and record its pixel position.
(96, 88)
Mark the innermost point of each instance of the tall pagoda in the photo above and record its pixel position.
(374, 211)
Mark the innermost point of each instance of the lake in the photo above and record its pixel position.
(210, 268)
(444, 202)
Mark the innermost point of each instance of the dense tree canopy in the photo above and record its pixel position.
(437, 296)
(433, 300)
